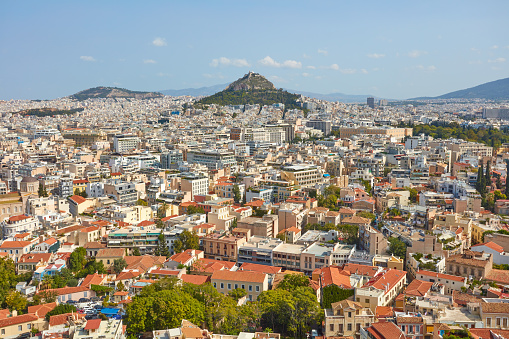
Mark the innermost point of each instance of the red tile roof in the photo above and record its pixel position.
(78, 199)
(245, 276)
(387, 279)
(15, 218)
(333, 275)
(20, 319)
(195, 279)
(492, 245)
(418, 288)
(42, 309)
(93, 324)
(441, 275)
(260, 268)
(15, 244)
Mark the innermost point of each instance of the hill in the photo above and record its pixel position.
(493, 90)
(251, 89)
(113, 92)
(45, 112)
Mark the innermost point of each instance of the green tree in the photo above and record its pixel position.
(397, 247)
(367, 215)
(161, 211)
(480, 180)
(77, 259)
(16, 301)
(187, 240)
(195, 209)
(42, 192)
(119, 265)
(237, 293)
(488, 174)
(136, 252)
(291, 281)
(499, 182)
(141, 202)
(237, 197)
(413, 194)
(120, 286)
(162, 248)
(334, 293)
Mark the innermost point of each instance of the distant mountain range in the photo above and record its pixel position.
(195, 92)
(493, 90)
(113, 92)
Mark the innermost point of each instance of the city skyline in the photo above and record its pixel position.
(392, 50)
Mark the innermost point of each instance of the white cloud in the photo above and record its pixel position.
(222, 61)
(323, 52)
(376, 55)
(269, 62)
(161, 74)
(149, 61)
(494, 46)
(475, 62)
(364, 71)
(334, 67)
(497, 60)
(87, 58)
(427, 68)
(348, 71)
(159, 42)
(415, 53)
(306, 75)
(311, 67)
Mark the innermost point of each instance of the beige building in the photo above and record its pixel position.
(220, 216)
(346, 318)
(109, 255)
(222, 247)
(254, 283)
(495, 315)
(266, 226)
(302, 175)
(84, 137)
(12, 327)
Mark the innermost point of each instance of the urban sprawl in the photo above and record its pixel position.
(127, 218)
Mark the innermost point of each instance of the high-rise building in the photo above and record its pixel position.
(323, 125)
(371, 102)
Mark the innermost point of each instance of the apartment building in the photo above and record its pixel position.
(258, 250)
(222, 247)
(302, 175)
(143, 238)
(195, 183)
(266, 226)
(472, 264)
(213, 159)
(382, 289)
(372, 240)
(124, 193)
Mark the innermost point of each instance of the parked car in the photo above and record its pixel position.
(95, 299)
(84, 300)
(71, 302)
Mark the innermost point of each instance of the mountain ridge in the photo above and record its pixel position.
(492, 90)
(113, 92)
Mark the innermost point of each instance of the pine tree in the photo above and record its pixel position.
(488, 175)
(478, 184)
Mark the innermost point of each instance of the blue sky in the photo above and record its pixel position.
(391, 49)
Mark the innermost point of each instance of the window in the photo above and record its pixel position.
(366, 301)
(403, 328)
(229, 286)
(349, 327)
(498, 321)
(250, 288)
(257, 288)
(236, 286)
(250, 297)
(349, 314)
(29, 326)
(215, 285)
(3, 331)
(411, 329)
(20, 328)
(331, 327)
(488, 322)
(243, 287)
(222, 285)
